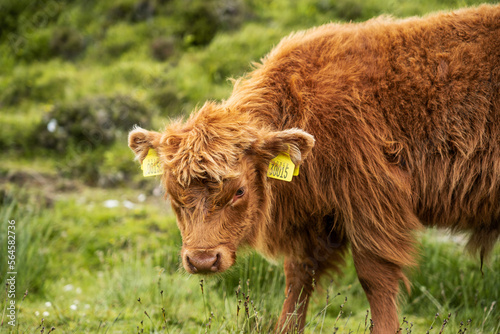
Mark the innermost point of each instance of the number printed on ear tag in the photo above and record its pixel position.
(281, 168)
(151, 164)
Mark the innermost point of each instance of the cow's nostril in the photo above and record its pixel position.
(216, 264)
(191, 266)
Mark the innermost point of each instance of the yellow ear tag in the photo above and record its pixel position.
(296, 170)
(282, 168)
(151, 164)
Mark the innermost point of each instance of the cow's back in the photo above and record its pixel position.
(403, 111)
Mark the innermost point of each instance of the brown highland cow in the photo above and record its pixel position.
(395, 125)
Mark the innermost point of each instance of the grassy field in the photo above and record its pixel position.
(89, 267)
(97, 247)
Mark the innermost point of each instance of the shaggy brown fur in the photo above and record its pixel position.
(395, 123)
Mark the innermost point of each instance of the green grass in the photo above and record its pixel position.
(85, 265)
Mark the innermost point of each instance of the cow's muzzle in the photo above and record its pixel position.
(207, 261)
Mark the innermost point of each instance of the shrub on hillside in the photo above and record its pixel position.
(31, 84)
(347, 10)
(119, 12)
(140, 11)
(200, 24)
(31, 47)
(17, 137)
(19, 88)
(143, 10)
(168, 99)
(91, 122)
(232, 13)
(67, 43)
(162, 48)
(121, 38)
(202, 19)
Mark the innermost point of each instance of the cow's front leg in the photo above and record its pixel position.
(380, 280)
(299, 286)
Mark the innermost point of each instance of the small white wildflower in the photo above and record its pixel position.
(128, 204)
(157, 191)
(78, 290)
(111, 203)
(37, 313)
(73, 307)
(87, 306)
(48, 304)
(68, 287)
(141, 198)
(52, 125)
(45, 314)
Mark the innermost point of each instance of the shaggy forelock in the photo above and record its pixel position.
(208, 146)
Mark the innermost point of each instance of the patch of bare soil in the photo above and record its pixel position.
(33, 186)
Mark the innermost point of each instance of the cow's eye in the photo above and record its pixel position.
(239, 193)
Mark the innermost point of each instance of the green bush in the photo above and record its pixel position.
(163, 48)
(17, 89)
(82, 133)
(22, 17)
(30, 84)
(120, 12)
(27, 27)
(11, 10)
(99, 166)
(168, 99)
(34, 46)
(143, 10)
(231, 55)
(17, 133)
(105, 167)
(121, 39)
(199, 23)
(91, 122)
(348, 10)
(140, 11)
(67, 42)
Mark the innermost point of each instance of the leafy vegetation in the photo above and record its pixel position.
(96, 246)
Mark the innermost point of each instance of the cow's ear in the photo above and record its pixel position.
(296, 142)
(140, 141)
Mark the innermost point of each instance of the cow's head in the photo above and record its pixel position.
(215, 169)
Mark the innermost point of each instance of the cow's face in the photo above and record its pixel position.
(215, 175)
(215, 217)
